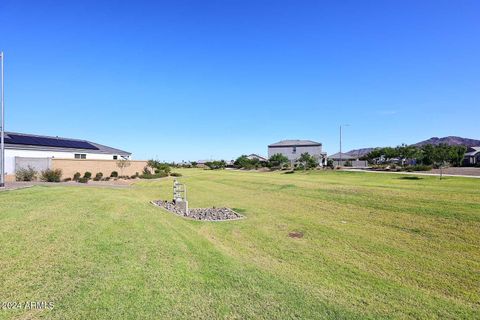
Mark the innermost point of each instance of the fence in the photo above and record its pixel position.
(38, 164)
(354, 164)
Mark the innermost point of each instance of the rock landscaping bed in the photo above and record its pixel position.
(203, 214)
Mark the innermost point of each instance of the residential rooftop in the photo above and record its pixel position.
(295, 143)
(16, 140)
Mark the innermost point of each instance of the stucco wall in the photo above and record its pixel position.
(70, 166)
(10, 155)
(315, 151)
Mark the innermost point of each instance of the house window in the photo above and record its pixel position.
(294, 150)
(80, 156)
(115, 157)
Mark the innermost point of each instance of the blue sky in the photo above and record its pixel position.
(187, 80)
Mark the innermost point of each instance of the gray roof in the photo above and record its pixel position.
(473, 152)
(295, 143)
(101, 149)
(344, 156)
(254, 155)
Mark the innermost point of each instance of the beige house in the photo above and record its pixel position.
(71, 155)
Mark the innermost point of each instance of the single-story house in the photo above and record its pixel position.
(472, 157)
(292, 149)
(22, 150)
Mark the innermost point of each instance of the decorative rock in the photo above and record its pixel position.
(203, 214)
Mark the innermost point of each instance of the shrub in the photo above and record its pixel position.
(146, 170)
(161, 174)
(87, 175)
(50, 175)
(106, 179)
(83, 180)
(76, 176)
(28, 174)
(98, 177)
(348, 163)
(67, 179)
(418, 167)
(134, 176)
(176, 174)
(215, 165)
(330, 163)
(114, 174)
(278, 161)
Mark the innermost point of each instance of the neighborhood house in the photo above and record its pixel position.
(472, 157)
(70, 155)
(293, 149)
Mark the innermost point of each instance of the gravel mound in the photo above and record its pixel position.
(203, 214)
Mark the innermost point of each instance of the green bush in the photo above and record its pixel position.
(28, 174)
(87, 175)
(278, 161)
(159, 166)
(114, 174)
(50, 175)
(77, 176)
(161, 174)
(330, 163)
(83, 180)
(98, 177)
(418, 167)
(176, 174)
(215, 165)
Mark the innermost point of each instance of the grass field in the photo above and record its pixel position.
(374, 246)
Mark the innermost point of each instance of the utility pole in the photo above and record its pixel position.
(2, 128)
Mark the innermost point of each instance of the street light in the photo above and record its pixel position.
(2, 129)
(345, 125)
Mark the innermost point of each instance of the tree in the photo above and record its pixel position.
(387, 153)
(457, 153)
(406, 152)
(278, 160)
(122, 164)
(441, 155)
(213, 165)
(159, 166)
(308, 161)
(243, 162)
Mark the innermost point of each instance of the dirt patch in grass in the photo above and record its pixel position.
(296, 234)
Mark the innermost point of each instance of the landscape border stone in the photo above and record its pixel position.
(200, 214)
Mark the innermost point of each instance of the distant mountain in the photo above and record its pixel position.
(358, 153)
(451, 140)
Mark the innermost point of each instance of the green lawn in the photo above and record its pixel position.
(374, 246)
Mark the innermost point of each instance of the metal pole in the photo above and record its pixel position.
(2, 130)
